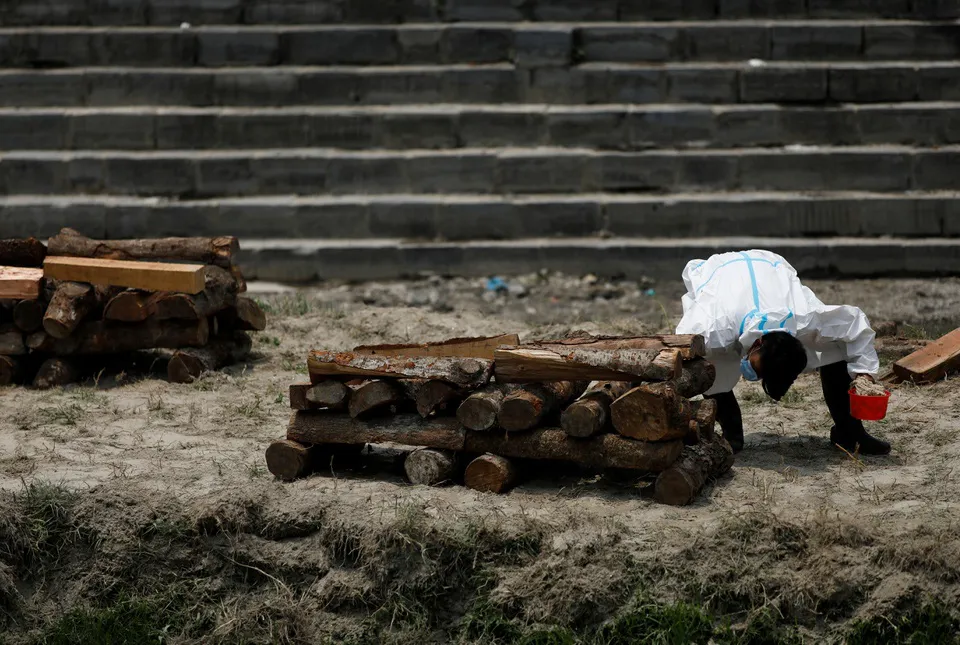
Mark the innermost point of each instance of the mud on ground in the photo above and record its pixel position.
(141, 511)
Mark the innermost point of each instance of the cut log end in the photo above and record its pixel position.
(28, 315)
(490, 474)
(288, 460)
(9, 370)
(480, 410)
(584, 418)
(430, 467)
(56, 372)
(373, 397)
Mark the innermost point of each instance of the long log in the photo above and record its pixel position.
(375, 396)
(534, 403)
(590, 414)
(690, 345)
(429, 467)
(696, 378)
(435, 396)
(329, 395)
(9, 370)
(28, 252)
(463, 372)
(205, 250)
(699, 463)
(652, 413)
(454, 348)
(556, 363)
(219, 292)
(11, 341)
(101, 337)
(28, 315)
(56, 372)
(244, 315)
(187, 365)
(480, 410)
(443, 433)
(490, 474)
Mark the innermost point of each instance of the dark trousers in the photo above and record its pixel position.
(835, 383)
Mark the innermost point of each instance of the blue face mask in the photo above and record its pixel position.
(746, 368)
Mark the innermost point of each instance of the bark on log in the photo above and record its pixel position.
(696, 378)
(205, 250)
(602, 451)
(186, 365)
(706, 418)
(289, 460)
(320, 427)
(28, 315)
(374, 396)
(531, 405)
(28, 252)
(680, 484)
(436, 396)
(11, 341)
(244, 315)
(56, 372)
(330, 395)
(480, 410)
(71, 303)
(130, 306)
(490, 474)
(690, 345)
(105, 337)
(463, 372)
(652, 413)
(590, 414)
(430, 467)
(556, 363)
(9, 370)
(219, 292)
(453, 348)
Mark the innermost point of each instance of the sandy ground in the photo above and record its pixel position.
(817, 537)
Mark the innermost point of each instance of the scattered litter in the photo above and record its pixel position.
(590, 279)
(799, 147)
(496, 284)
(650, 292)
(184, 25)
(756, 62)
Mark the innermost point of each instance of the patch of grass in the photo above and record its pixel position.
(650, 622)
(931, 624)
(295, 304)
(268, 340)
(252, 408)
(46, 514)
(64, 414)
(914, 332)
(793, 398)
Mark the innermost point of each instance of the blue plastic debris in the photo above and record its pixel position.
(496, 284)
(650, 292)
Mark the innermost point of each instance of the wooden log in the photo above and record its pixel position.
(56, 372)
(453, 348)
(602, 451)
(436, 396)
(28, 315)
(289, 460)
(71, 303)
(680, 483)
(130, 306)
(320, 427)
(12, 341)
(652, 413)
(375, 396)
(933, 362)
(99, 337)
(205, 250)
(238, 276)
(706, 418)
(696, 378)
(150, 276)
(9, 369)
(330, 395)
(554, 363)
(187, 365)
(690, 345)
(490, 474)
(219, 292)
(463, 372)
(28, 252)
(590, 414)
(480, 410)
(534, 403)
(17, 283)
(430, 467)
(244, 315)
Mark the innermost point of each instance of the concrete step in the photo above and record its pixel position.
(525, 44)
(173, 12)
(479, 217)
(807, 83)
(499, 171)
(438, 126)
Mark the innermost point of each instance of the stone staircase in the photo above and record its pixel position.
(375, 138)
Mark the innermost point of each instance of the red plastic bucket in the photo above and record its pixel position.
(868, 408)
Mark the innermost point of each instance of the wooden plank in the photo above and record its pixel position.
(454, 348)
(690, 345)
(933, 362)
(150, 276)
(18, 283)
(529, 363)
(464, 372)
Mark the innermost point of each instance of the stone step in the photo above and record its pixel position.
(807, 83)
(525, 44)
(174, 12)
(499, 171)
(479, 217)
(438, 126)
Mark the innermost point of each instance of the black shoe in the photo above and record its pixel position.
(859, 441)
(736, 442)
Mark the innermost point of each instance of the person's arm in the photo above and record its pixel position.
(850, 326)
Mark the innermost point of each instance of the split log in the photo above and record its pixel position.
(17, 283)
(652, 413)
(933, 362)
(244, 315)
(480, 410)
(430, 467)
(589, 414)
(319, 427)
(330, 395)
(557, 363)
(453, 348)
(680, 484)
(71, 303)
(463, 372)
(602, 451)
(690, 345)
(130, 306)
(100, 337)
(186, 365)
(205, 250)
(289, 460)
(150, 276)
(56, 372)
(375, 396)
(490, 474)
(706, 418)
(696, 378)
(531, 405)
(436, 396)
(219, 292)
(28, 315)
(28, 252)
(11, 341)
(9, 370)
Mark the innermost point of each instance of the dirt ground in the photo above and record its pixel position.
(128, 503)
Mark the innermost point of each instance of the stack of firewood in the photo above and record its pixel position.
(490, 404)
(76, 305)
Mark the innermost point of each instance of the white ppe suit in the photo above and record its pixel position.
(734, 298)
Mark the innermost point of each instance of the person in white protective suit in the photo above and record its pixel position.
(761, 323)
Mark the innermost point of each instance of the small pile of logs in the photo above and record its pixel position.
(76, 304)
(476, 409)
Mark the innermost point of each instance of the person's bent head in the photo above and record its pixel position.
(781, 358)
